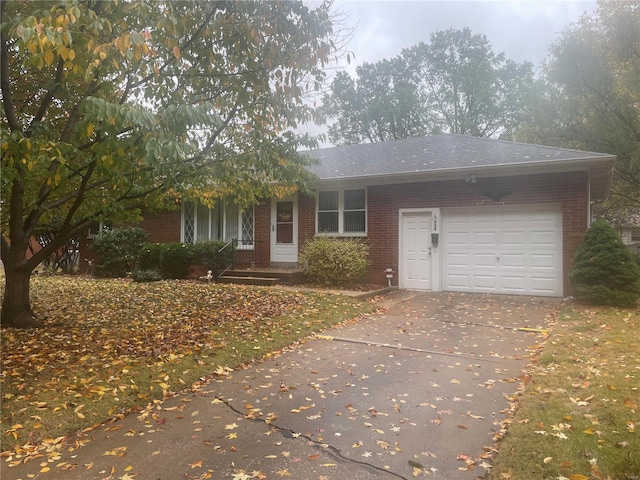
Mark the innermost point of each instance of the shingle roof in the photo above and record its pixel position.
(439, 153)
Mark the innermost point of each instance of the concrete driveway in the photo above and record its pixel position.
(419, 390)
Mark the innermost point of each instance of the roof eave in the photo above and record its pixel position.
(600, 170)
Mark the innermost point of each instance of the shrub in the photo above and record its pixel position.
(175, 260)
(149, 257)
(604, 271)
(208, 255)
(143, 276)
(117, 251)
(333, 261)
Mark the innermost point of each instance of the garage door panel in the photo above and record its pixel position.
(458, 260)
(483, 260)
(516, 250)
(459, 238)
(459, 281)
(542, 261)
(542, 238)
(545, 285)
(514, 284)
(516, 260)
(484, 238)
(516, 238)
(484, 282)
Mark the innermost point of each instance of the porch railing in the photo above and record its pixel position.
(249, 249)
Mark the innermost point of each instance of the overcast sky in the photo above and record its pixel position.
(522, 29)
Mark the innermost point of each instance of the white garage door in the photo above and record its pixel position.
(511, 250)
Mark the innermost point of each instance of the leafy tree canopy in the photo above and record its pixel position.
(110, 106)
(453, 84)
(380, 104)
(591, 99)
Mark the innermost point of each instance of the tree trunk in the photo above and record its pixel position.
(16, 306)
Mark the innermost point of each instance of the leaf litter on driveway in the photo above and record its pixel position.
(326, 408)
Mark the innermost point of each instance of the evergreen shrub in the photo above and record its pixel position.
(208, 256)
(117, 251)
(604, 271)
(175, 260)
(334, 261)
(149, 257)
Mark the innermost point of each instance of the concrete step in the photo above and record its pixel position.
(247, 280)
(289, 276)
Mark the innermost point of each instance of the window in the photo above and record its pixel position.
(225, 221)
(342, 212)
(97, 228)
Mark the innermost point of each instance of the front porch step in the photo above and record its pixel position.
(248, 280)
(271, 276)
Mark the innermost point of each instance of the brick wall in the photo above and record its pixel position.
(384, 203)
(162, 227)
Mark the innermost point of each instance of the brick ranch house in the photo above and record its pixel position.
(445, 213)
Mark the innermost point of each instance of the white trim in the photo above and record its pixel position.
(283, 253)
(436, 284)
(102, 227)
(341, 211)
(222, 210)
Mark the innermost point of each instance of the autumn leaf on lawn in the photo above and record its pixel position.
(507, 475)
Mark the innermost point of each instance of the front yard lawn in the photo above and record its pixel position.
(579, 416)
(112, 346)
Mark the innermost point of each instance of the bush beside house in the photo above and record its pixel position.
(333, 261)
(604, 271)
(117, 251)
(122, 252)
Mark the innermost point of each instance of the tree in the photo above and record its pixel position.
(604, 271)
(380, 104)
(65, 258)
(466, 87)
(592, 83)
(454, 84)
(109, 107)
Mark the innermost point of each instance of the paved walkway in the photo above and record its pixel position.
(418, 391)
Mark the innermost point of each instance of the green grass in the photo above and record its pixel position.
(579, 416)
(113, 346)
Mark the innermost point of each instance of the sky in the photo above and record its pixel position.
(522, 29)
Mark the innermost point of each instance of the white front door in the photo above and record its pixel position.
(415, 251)
(284, 230)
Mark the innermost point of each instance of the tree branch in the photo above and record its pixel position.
(5, 84)
(48, 98)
